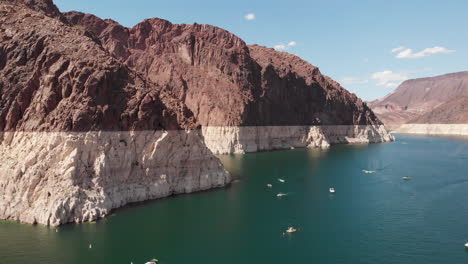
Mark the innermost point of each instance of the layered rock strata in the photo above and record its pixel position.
(235, 139)
(250, 94)
(82, 133)
(59, 177)
(94, 115)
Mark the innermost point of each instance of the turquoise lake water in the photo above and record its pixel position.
(372, 218)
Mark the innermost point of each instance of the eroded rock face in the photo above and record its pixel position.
(56, 78)
(243, 139)
(59, 177)
(94, 115)
(421, 101)
(227, 84)
(223, 81)
(454, 111)
(82, 133)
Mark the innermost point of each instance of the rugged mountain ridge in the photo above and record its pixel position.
(260, 78)
(81, 132)
(94, 115)
(269, 99)
(418, 97)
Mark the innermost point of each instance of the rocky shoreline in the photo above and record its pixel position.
(227, 140)
(95, 115)
(82, 176)
(61, 177)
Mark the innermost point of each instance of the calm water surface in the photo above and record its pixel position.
(372, 218)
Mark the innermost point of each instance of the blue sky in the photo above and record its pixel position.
(350, 41)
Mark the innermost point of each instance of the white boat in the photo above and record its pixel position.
(406, 178)
(269, 185)
(466, 245)
(90, 246)
(281, 180)
(332, 190)
(281, 194)
(368, 171)
(291, 230)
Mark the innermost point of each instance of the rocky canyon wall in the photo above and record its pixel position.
(59, 177)
(94, 115)
(226, 140)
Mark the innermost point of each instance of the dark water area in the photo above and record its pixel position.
(372, 218)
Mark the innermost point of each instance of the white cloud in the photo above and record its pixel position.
(279, 47)
(285, 47)
(250, 16)
(389, 78)
(352, 80)
(397, 49)
(407, 53)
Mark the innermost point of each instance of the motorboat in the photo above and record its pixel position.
(332, 190)
(291, 230)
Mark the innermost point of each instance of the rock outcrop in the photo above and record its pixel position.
(94, 115)
(262, 89)
(59, 177)
(82, 133)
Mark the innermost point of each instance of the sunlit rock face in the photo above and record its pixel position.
(440, 99)
(94, 115)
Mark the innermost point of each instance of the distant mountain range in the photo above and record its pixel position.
(434, 100)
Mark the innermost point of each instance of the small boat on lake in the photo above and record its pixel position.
(406, 178)
(281, 180)
(281, 194)
(153, 261)
(291, 230)
(269, 185)
(331, 190)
